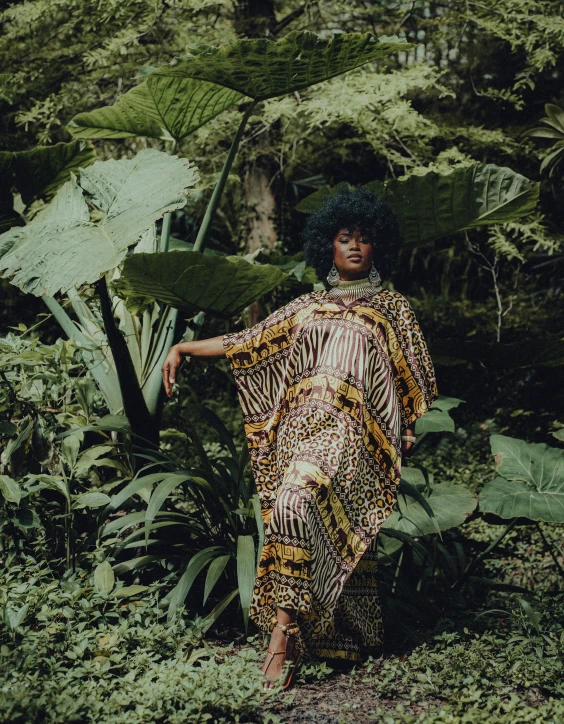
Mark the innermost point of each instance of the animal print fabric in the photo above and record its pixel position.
(325, 389)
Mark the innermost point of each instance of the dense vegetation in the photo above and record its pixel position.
(128, 528)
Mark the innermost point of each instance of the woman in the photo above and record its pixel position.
(330, 386)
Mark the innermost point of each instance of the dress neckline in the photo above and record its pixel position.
(349, 291)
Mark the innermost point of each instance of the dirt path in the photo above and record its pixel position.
(341, 698)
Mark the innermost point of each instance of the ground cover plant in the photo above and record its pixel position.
(158, 160)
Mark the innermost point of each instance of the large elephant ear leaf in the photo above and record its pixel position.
(62, 247)
(38, 172)
(451, 505)
(177, 99)
(530, 482)
(161, 107)
(435, 205)
(195, 282)
(262, 68)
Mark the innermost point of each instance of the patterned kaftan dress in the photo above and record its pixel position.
(326, 387)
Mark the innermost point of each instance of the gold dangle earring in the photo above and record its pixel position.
(374, 277)
(333, 276)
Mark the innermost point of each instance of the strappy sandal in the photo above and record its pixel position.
(289, 629)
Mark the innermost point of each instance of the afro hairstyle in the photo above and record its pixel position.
(352, 209)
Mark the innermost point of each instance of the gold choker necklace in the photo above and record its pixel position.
(354, 289)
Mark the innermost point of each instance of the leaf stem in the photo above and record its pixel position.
(167, 219)
(205, 227)
(472, 565)
(549, 548)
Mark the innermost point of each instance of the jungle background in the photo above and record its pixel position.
(129, 540)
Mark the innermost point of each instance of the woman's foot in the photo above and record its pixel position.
(280, 651)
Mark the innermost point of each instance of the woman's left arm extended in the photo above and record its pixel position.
(212, 347)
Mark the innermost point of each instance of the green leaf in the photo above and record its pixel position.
(212, 617)
(532, 482)
(197, 563)
(104, 578)
(434, 421)
(10, 489)
(160, 107)
(134, 487)
(8, 428)
(451, 505)
(89, 458)
(246, 572)
(38, 172)
(128, 591)
(134, 564)
(177, 99)
(23, 438)
(62, 248)
(446, 403)
(90, 500)
(160, 494)
(435, 205)
(195, 282)
(217, 566)
(26, 518)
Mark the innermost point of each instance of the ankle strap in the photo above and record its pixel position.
(289, 629)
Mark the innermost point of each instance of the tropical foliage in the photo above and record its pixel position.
(157, 160)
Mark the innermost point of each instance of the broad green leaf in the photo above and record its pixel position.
(14, 619)
(437, 419)
(195, 282)
(91, 500)
(435, 205)
(160, 107)
(128, 591)
(434, 421)
(89, 458)
(446, 403)
(217, 566)
(246, 572)
(104, 578)
(10, 489)
(451, 505)
(532, 482)
(71, 447)
(178, 98)
(62, 248)
(38, 172)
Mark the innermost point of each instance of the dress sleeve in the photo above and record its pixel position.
(412, 367)
(259, 359)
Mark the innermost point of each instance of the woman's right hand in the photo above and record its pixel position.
(170, 368)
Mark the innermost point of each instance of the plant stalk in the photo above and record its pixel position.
(135, 407)
(205, 226)
(472, 565)
(549, 548)
(167, 219)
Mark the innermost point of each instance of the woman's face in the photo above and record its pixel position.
(352, 254)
